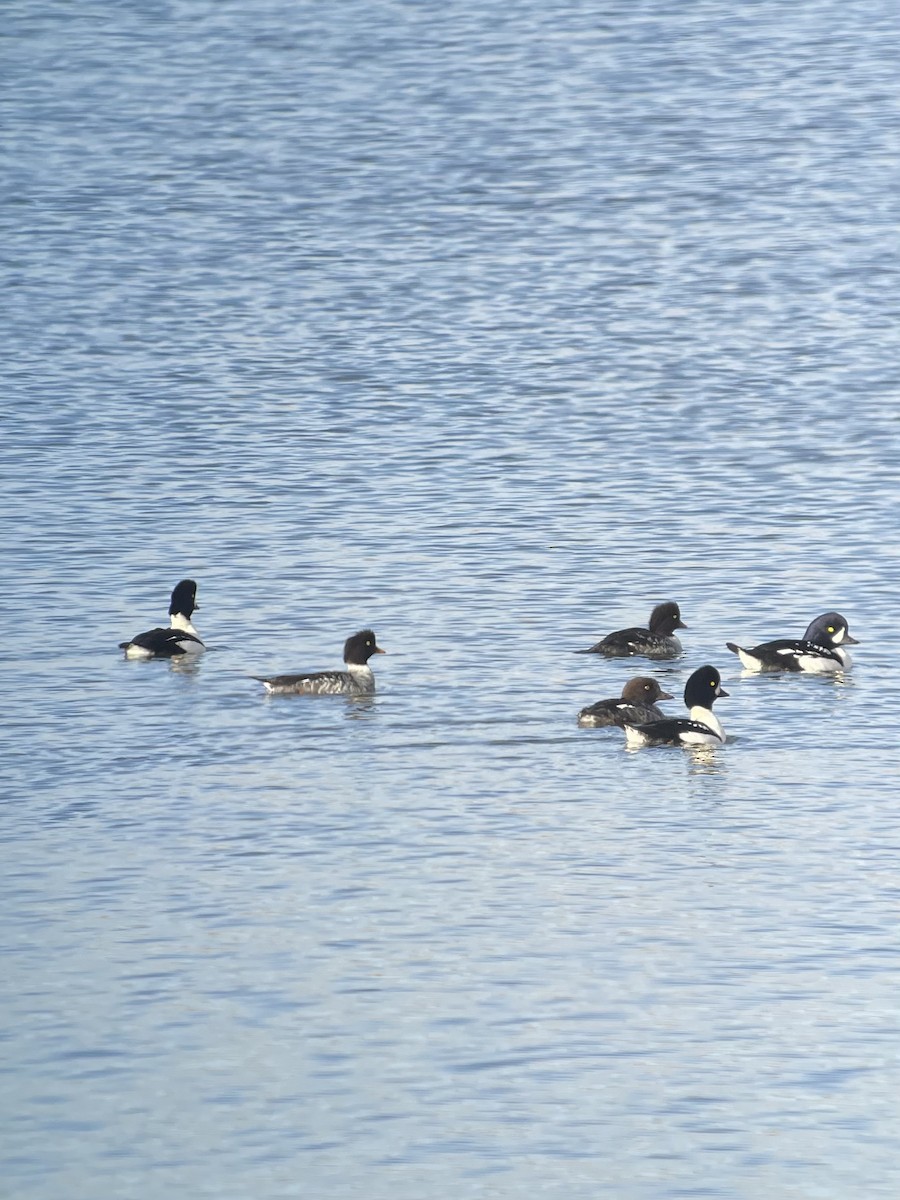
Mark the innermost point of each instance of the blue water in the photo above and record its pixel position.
(489, 327)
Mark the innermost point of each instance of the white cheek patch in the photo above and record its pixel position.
(838, 636)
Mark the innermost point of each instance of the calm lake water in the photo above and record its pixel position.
(488, 326)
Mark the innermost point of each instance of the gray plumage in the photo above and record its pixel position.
(357, 680)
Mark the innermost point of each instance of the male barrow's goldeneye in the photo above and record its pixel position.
(820, 650)
(357, 680)
(180, 639)
(636, 704)
(702, 728)
(658, 641)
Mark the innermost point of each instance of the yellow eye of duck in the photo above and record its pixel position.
(831, 629)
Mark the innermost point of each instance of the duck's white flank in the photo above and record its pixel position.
(820, 664)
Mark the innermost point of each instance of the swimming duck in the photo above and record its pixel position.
(357, 680)
(657, 641)
(702, 728)
(181, 638)
(820, 650)
(637, 704)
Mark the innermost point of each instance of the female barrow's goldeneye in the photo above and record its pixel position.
(658, 641)
(820, 650)
(702, 728)
(357, 680)
(180, 639)
(637, 704)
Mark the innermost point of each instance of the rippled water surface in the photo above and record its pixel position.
(488, 326)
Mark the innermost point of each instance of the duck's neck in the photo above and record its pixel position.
(359, 670)
(183, 624)
(706, 716)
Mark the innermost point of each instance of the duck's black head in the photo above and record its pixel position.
(830, 630)
(703, 688)
(184, 599)
(666, 618)
(359, 648)
(644, 690)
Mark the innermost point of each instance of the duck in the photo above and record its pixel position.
(819, 651)
(180, 639)
(357, 680)
(657, 641)
(636, 704)
(701, 728)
